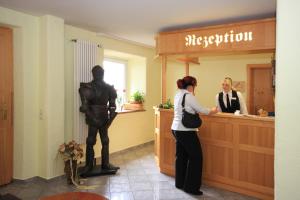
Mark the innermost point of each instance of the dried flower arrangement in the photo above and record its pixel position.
(71, 152)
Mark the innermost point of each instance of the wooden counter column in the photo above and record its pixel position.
(164, 79)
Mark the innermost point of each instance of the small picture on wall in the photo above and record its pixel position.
(239, 86)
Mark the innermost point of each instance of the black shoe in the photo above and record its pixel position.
(197, 192)
(179, 187)
(110, 167)
(85, 170)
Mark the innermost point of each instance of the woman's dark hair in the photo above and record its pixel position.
(186, 81)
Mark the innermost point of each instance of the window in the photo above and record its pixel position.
(115, 74)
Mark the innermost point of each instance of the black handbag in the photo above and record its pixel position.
(190, 120)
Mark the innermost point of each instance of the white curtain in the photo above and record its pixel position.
(85, 58)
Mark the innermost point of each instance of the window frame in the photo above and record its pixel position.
(125, 63)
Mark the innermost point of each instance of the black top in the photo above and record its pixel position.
(234, 104)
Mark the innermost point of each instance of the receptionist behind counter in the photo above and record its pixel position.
(229, 100)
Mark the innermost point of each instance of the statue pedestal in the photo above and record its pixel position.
(96, 171)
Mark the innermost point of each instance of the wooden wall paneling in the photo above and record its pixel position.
(157, 135)
(255, 168)
(257, 136)
(235, 151)
(204, 131)
(263, 32)
(167, 150)
(238, 152)
(222, 131)
(169, 153)
(207, 163)
(269, 172)
(261, 193)
(221, 161)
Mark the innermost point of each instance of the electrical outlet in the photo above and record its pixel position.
(41, 114)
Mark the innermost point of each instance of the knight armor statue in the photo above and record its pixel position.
(98, 104)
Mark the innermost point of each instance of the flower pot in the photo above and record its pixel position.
(68, 171)
(133, 106)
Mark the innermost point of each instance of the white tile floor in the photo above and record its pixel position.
(138, 179)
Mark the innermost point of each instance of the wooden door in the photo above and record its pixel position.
(6, 99)
(260, 91)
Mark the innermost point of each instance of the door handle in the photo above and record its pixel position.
(4, 114)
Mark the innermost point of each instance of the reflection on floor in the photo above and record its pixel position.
(138, 179)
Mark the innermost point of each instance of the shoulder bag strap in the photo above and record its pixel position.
(183, 101)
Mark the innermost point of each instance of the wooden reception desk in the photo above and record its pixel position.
(238, 151)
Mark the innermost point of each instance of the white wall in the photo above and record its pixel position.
(211, 72)
(38, 92)
(136, 76)
(26, 97)
(142, 128)
(52, 93)
(43, 87)
(287, 129)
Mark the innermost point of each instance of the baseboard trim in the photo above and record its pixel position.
(41, 179)
(134, 147)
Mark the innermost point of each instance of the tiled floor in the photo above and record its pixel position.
(138, 179)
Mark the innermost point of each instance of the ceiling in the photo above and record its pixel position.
(140, 20)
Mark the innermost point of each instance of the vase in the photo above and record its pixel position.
(68, 171)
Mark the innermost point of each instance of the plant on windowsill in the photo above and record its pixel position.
(138, 97)
(136, 103)
(71, 152)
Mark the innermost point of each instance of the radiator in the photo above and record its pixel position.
(85, 58)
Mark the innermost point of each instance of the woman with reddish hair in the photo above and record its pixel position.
(188, 164)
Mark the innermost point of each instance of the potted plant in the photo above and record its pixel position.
(71, 152)
(136, 102)
(167, 105)
(138, 97)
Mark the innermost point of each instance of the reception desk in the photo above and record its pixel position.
(238, 151)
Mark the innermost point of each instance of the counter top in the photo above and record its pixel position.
(227, 115)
